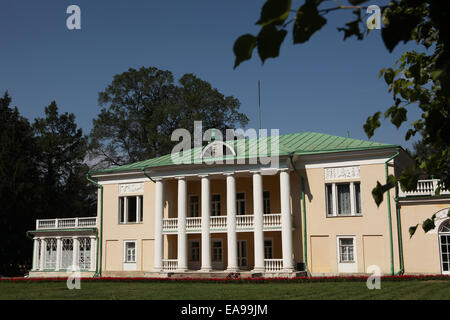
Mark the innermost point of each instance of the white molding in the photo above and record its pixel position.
(131, 188)
(340, 163)
(347, 267)
(341, 173)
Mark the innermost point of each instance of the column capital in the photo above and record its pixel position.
(230, 173)
(204, 175)
(255, 171)
(180, 177)
(284, 169)
(158, 179)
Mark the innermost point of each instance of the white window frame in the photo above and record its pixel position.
(241, 200)
(129, 265)
(441, 234)
(347, 266)
(190, 206)
(139, 209)
(214, 204)
(334, 199)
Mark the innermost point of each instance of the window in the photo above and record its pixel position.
(215, 202)
(268, 249)
(343, 199)
(130, 252)
(344, 202)
(217, 251)
(131, 209)
(266, 196)
(85, 253)
(346, 250)
(193, 206)
(240, 203)
(67, 253)
(195, 251)
(50, 253)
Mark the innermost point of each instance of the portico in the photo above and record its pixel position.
(194, 227)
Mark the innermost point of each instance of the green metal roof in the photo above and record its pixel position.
(302, 143)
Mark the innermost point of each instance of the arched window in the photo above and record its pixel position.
(217, 149)
(445, 226)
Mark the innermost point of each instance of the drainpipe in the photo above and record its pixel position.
(305, 255)
(400, 241)
(98, 268)
(389, 213)
(145, 174)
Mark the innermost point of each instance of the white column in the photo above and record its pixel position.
(58, 253)
(352, 199)
(206, 213)
(258, 210)
(93, 253)
(76, 250)
(159, 214)
(35, 253)
(42, 261)
(231, 224)
(286, 221)
(182, 213)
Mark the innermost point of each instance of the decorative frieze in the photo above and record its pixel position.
(341, 173)
(131, 188)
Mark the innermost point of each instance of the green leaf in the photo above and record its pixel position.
(269, 42)
(428, 225)
(307, 22)
(397, 114)
(389, 75)
(243, 48)
(274, 11)
(412, 230)
(377, 194)
(372, 123)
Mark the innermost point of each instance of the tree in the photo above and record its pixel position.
(141, 108)
(62, 168)
(418, 79)
(18, 194)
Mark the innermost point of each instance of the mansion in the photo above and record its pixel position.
(313, 214)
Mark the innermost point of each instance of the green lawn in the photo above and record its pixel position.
(431, 289)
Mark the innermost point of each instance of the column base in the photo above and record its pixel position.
(287, 270)
(181, 270)
(205, 269)
(232, 269)
(258, 270)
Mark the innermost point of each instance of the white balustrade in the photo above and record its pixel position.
(244, 222)
(170, 224)
(44, 224)
(273, 265)
(193, 223)
(272, 220)
(424, 188)
(170, 264)
(218, 223)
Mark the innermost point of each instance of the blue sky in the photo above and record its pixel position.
(326, 85)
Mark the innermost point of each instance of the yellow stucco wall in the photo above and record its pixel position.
(371, 229)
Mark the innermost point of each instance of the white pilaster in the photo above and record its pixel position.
(206, 213)
(42, 261)
(286, 221)
(159, 214)
(58, 253)
(258, 211)
(231, 224)
(182, 213)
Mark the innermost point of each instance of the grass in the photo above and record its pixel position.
(94, 290)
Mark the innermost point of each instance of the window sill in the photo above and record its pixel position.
(345, 215)
(128, 223)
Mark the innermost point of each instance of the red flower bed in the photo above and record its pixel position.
(241, 280)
